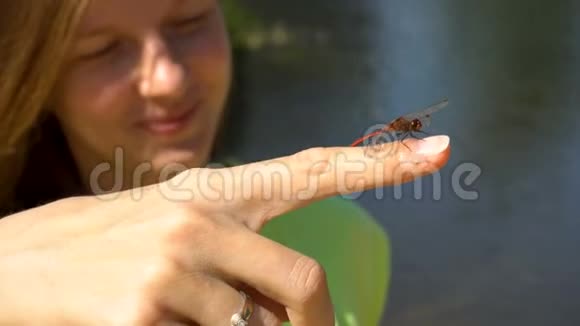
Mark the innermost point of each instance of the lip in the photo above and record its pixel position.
(171, 124)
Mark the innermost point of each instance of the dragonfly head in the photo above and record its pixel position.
(416, 124)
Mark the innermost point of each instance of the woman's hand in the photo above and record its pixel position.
(178, 252)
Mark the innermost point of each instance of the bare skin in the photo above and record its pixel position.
(148, 77)
(172, 252)
(170, 259)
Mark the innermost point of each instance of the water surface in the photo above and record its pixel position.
(511, 70)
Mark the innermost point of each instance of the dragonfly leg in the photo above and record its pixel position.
(423, 132)
(414, 136)
(405, 136)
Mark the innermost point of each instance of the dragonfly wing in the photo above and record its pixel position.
(425, 115)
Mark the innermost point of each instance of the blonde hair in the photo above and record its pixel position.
(34, 35)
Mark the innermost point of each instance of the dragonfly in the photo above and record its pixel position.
(408, 124)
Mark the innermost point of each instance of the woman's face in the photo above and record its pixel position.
(144, 88)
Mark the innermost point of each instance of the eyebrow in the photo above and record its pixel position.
(96, 32)
(108, 30)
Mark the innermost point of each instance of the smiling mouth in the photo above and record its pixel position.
(170, 125)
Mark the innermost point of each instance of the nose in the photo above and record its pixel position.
(162, 77)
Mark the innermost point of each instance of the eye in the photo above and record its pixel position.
(102, 51)
(188, 24)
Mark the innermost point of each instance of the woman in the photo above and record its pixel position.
(109, 112)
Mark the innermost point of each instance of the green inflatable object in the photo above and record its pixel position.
(351, 246)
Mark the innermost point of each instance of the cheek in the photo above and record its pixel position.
(98, 97)
(93, 111)
(209, 59)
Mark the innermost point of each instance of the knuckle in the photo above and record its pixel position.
(182, 231)
(154, 278)
(185, 224)
(157, 272)
(308, 277)
(315, 161)
(141, 314)
(135, 310)
(312, 155)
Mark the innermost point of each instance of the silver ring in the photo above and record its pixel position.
(241, 318)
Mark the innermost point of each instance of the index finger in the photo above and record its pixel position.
(263, 190)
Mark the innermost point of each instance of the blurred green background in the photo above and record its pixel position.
(318, 73)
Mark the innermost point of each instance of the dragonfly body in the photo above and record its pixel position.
(403, 125)
(407, 124)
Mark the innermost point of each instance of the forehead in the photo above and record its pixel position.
(129, 13)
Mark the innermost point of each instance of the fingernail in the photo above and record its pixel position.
(431, 145)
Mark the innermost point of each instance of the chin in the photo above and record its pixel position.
(176, 161)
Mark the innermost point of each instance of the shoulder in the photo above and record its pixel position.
(351, 246)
